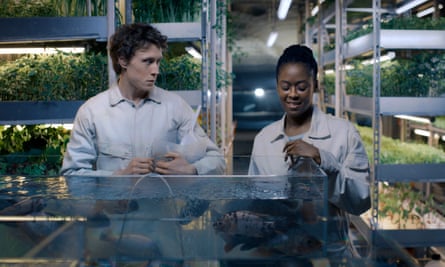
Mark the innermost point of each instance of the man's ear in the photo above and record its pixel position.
(123, 62)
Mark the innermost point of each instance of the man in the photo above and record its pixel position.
(115, 132)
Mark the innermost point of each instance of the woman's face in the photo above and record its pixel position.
(295, 87)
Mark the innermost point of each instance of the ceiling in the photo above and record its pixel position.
(253, 20)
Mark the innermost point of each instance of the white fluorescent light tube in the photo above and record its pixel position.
(390, 56)
(192, 51)
(422, 132)
(272, 38)
(413, 118)
(409, 6)
(314, 11)
(41, 50)
(427, 11)
(283, 8)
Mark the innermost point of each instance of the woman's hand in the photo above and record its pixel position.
(300, 148)
(173, 163)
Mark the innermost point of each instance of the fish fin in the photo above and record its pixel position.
(228, 247)
(249, 245)
(98, 219)
(106, 235)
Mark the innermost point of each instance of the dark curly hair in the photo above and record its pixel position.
(298, 54)
(131, 37)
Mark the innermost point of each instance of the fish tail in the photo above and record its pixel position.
(106, 235)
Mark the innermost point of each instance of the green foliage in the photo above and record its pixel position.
(154, 11)
(53, 77)
(420, 75)
(180, 73)
(79, 7)
(394, 151)
(184, 73)
(32, 149)
(26, 8)
(50, 8)
(439, 122)
(399, 23)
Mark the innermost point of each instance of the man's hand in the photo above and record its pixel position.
(173, 163)
(138, 166)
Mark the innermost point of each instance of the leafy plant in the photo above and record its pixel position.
(153, 11)
(32, 149)
(394, 151)
(26, 8)
(398, 201)
(53, 77)
(180, 73)
(420, 75)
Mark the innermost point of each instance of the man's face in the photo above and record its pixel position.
(295, 87)
(143, 69)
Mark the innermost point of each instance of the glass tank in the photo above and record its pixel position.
(154, 220)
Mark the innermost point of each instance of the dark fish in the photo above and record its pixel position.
(132, 245)
(37, 230)
(121, 206)
(193, 208)
(25, 206)
(249, 229)
(294, 242)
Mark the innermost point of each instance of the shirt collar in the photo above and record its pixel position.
(319, 127)
(116, 97)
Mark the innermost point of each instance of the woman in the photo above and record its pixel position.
(305, 131)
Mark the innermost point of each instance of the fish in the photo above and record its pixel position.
(121, 206)
(192, 209)
(132, 245)
(249, 229)
(294, 242)
(24, 206)
(39, 230)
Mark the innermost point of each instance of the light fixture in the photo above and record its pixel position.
(427, 11)
(409, 6)
(259, 92)
(283, 8)
(192, 51)
(272, 38)
(389, 56)
(314, 11)
(413, 118)
(316, 8)
(41, 50)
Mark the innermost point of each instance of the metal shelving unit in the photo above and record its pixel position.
(77, 30)
(378, 106)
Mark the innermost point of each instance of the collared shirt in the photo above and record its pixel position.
(343, 158)
(110, 130)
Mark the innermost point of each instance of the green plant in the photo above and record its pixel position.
(32, 149)
(53, 77)
(153, 11)
(25, 8)
(420, 75)
(180, 73)
(398, 202)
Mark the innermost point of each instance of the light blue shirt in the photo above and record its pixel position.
(110, 130)
(343, 158)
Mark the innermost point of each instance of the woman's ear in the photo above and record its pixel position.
(316, 85)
